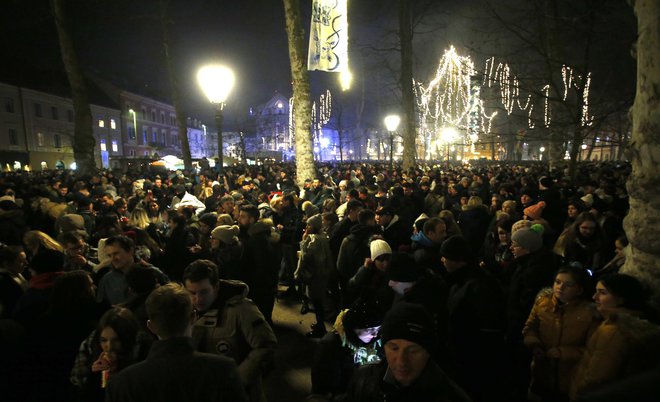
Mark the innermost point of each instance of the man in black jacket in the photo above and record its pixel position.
(173, 371)
(408, 373)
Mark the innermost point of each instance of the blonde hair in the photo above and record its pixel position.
(139, 218)
(36, 238)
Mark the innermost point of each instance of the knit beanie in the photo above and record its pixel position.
(71, 223)
(403, 268)
(534, 212)
(379, 247)
(410, 322)
(530, 239)
(521, 224)
(316, 222)
(456, 248)
(209, 219)
(226, 234)
(364, 313)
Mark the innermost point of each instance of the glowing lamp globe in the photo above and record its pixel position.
(392, 122)
(216, 82)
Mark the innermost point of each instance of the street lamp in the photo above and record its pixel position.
(392, 123)
(447, 135)
(542, 149)
(216, 82)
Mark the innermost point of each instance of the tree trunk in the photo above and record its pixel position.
(174, 87)
(643, 220)
(407, 95)
(302, 105)
(83, 137)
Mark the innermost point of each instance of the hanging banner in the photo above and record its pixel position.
(328, 37)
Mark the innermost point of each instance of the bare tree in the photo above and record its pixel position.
(174, 84)
(302, 105)
(643, 220)
(83, 138)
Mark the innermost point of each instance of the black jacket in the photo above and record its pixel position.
(173, 371)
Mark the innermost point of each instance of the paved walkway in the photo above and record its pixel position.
(290, 381)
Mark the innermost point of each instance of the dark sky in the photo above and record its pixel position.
(120, 39)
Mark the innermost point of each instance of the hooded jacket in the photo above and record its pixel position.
(234, 327)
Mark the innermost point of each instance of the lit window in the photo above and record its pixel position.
(114, 145)
(40, 139)
(103, 145)
(101, 123)
(113, 124)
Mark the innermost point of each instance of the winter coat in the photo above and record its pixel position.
(228, 259)
(397, 234)
(375, 383)
(235, 328)
(175, 372)
(315, 265)
(475, 335)
(259, 262)
(426, 253)
(566, 327)
(531, 273)
(34, 301)
(623, 345)
(369, 282)
(474, 225)
(354, 249)
(11, 289)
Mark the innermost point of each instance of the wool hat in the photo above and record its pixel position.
(226, 234)
(410, 322)
(72, 222)
(315, 221)
(534, 212)
(530, 238)
(225, 219)
(47, 260)
(379, 247)
(588, 200)
(403, 268)
(456, 248)
(364, 313)
(521, 224)
(209, 219)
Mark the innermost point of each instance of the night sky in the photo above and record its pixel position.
(120, 40)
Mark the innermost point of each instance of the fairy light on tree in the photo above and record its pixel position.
(452, 99)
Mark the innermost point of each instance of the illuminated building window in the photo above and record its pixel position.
(40, 139)
(113, 124)
(101, 123)
(114, 146)
(103, 145)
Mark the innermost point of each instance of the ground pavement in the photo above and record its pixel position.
(290, 380)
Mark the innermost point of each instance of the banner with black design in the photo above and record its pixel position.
(328, 37)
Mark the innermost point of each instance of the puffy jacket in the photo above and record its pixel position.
(624, 344)
(315, 264)
(563, 326)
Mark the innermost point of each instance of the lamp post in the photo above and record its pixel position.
(392, 123)
(216, 82)
(447, 135)
(541, 150)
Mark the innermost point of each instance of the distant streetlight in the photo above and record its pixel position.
(542, 149)
(448, 135)
(392, 123)
(216, 82)
(584, 146)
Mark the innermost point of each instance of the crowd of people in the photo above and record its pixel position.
(448, 282)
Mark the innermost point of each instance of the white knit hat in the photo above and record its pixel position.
(378, 248)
